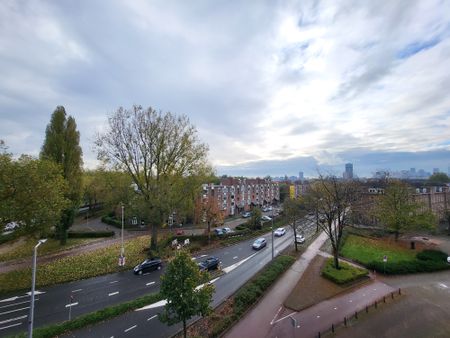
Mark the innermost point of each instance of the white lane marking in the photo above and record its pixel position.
(24, 308)
(113, 282)
(130, 328)
(145, 274)
(152, 317)
(113, 293)
(12, 299)
(14, 304)
(151, 283)
(318, 317)
(442, 285)
(335, 308)
(350, 301)
(13, 319)
(276, 315)
(235, 265)
(235, 257)
(37, 292)
(164, 301)
(284, 317)
(72, 304)
(203, 256)
(7, 327)
(77, 290)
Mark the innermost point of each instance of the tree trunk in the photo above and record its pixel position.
(184, 328)
(154, 240)
(295, 237)
(336, 259)
(396, 236)
(209, 232)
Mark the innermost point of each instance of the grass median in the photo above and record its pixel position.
(86, 265)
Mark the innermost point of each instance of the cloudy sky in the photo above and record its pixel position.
(274, 87)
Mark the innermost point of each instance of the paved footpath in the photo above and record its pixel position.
(269, 318)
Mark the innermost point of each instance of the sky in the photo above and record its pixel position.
(273, 87)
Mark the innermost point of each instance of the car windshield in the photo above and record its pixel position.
(280, 229)
(259, 240)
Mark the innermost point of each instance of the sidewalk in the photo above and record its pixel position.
(257, 323)
(269, 318)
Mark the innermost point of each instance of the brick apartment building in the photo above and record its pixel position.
(235, 195)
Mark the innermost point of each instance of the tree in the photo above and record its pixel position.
(32, 193)
(161, 153)
(398, 211)
(62, 145)
(333, 199)
(294, 209)
(438, 178)
(186, 291)
(208, 211)
(255, 220)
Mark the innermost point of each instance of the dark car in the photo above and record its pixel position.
(211, 263)
(218, 232)
(150, 264)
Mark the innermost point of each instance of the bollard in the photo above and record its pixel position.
(332, 328)
(356, 314)
(367, 309)
(384, 299)
(399, 291)
(375, 304)
(345, 321)
(392, 295)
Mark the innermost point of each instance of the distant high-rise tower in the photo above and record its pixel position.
(348, 174)
(300, 176)
(435, 170)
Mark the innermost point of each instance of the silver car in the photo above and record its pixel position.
(259, 243)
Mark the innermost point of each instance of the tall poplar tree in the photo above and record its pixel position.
(62, 145)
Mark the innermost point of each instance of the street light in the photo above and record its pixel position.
(122, 251)
(33, 285)
(272, 233)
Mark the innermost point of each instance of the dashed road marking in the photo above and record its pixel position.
(335, 308)
(12, 319)
(77, 290)
(235, 257)
(7, 327)
(72, 304)
(350, 301)
(318, 317)
(113, 293)
(151, 283)
(152, 317)
(113, 282)
(11, 311)
(14, 304)
(442, 285)
(130, 328)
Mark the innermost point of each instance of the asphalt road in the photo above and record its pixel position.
(54, 304)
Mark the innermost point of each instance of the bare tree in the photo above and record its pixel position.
(294, 210)
(333, 199)
(162, 154)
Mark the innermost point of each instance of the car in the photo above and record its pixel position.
(218, 232)
(11, 226)
(266, 218)
(269, 208)
(246, 214)
(300, 239)
(259, 243)
(279, 232)
(265, 209)
(227, 230)
(149, 264)
(211, 263)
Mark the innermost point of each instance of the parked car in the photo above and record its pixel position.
(259, 243)
(211, 263)
(300, 239)
(279, 232)
(218, 232)
(227, 230)
(266, 218)
(246, 214)
(150, 264)
(11, 226)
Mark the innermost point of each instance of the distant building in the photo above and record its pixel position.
(435, 170)
(300, 176)
(348, 174)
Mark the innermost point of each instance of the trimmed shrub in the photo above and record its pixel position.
(241, 227)
(346, 274)
(432, 255)
(110, 220)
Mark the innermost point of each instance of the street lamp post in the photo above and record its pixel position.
(33, 286)
(122, 251)
(272, 234)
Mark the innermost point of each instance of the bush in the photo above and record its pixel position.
(90, 234)
(241, 227)
(346, 274)
(432, 255)
(250, 293)
(407, 267)
(110, 220)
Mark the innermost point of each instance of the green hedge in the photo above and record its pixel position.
(346, 274)
(407, 267)
(432, 255)
(89, 234)
(94, 317)
(250, 293)
(112, 221)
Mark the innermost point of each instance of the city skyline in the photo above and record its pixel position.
(273, 88)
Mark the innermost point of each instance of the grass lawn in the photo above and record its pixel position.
(23, 247)
(346, 274)
(90, 264)
(366, 250)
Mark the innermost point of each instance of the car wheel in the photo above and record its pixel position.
(140, 272)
